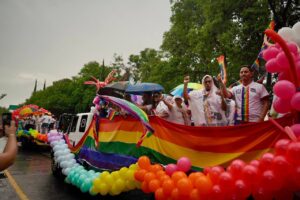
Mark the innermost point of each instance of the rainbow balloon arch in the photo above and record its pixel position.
(264, 170)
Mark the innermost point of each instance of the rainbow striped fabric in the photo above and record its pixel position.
(245, 104)
(205, 146)
(221, 62)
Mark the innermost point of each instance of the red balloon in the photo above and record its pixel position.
(249, 174)
(254, 163)
(295, 102)
(270, 53)
(194, 195)
(159, 194)
(282, 105)
(226, 181)
(282, 61)
(261, 193)
(284, 76)
(214, 173)
(281, 146)
(144, 162)
(241, 190)
(281, 166)
(236, 168)
(272, 66)
(266, 161)
(184, 186)
(168, 186)
(293, 152)
(296, 129)
(270, 181)
(284, 89)
(153, 185)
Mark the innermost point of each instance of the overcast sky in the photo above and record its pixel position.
(52, 39)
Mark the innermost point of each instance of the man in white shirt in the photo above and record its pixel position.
(251, 98)
(207, 108)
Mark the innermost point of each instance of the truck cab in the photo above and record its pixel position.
(75, 125)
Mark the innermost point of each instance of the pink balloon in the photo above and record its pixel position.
(296, 129)
(96, 100)
(298, 69)
(284, 89)
(293, 47)
(284, 76)
(281, 105)
(184, 164)
(295, 102)
(282, 61)
(270, 53)
(170, 169)
(272, 66)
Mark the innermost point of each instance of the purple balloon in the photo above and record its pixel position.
(284, 89)
(270, 53)
(296, 129)
(184, 164)
(295, 102)
(281, 105)
(170, 169)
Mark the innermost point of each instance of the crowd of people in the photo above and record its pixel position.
(42, 123)
(212, 106)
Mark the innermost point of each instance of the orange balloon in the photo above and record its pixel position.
(154, 184)
(204, 185)
(193, 176)
(159, 194)
(160, 173)
(168, 186)
(177, 176)
(194, 195)
(164, 177)
(144, 162)
(149, 176)
(145, 187)
(175, 194)
(184, 186)
(139, 175)
(155, 168)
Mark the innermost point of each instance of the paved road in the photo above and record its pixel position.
(31, 178)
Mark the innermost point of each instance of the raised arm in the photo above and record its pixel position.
(10, 151)
(223, 88)
(186, 80)
(170, 107)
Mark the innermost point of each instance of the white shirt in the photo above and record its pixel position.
(196, 96)
(176, 114)
(248, 101)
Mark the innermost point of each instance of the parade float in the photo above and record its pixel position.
(29, 136)
(258, 160)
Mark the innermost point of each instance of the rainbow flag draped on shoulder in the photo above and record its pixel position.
(205, 146)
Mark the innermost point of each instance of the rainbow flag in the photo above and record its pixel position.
(221, 62)
(205, 146)
(111, 114)
(256, 64)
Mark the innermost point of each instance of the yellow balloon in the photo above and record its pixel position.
(130, 185)
(103, 189)
(130, 175)
(114, 190)
(123, 171)
(109, 179)
(94, 190)
(120, 184)
(133, 166)
(115, 174)
(104, 174)
(96, 181)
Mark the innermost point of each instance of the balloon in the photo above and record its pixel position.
(295, 102)
(120, 184)
(261, 193)
(269, 181)
(281, 146)
(176, 176)
(249, 173)
(226, 181)
(284, 89)
(144, 162)
(168, 186)
(266, 161)
(204, 185)
(281, 105)
(296, 129)
(184, 186)
(241, 189)
(287, 34)
(270, 53)
(272, 66)
(194, 176)
(139, 175)
(215, 172)
(297, 64)
(149, 176)
(145, 187)
(170, 169)
(282, 61)
(194, 195)
(175, 194)
(184, 164)
(281, 166)
(293, 47)
(155, 168)
(159, 194)
(284, 76)
(154, 184)
(217, 192)
(293, 152)
(236, 168)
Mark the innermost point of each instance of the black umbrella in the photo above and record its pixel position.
(116, 89)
